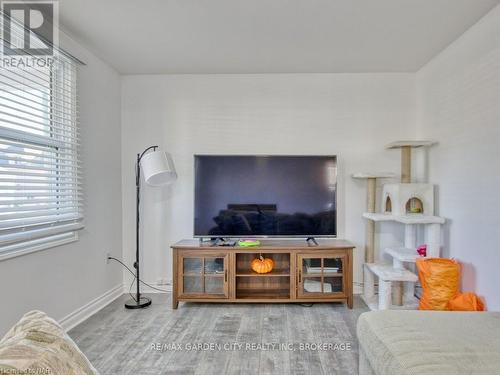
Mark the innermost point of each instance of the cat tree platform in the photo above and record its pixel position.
(405, 219)
(366, 175)
(411, 144)
(402, 255)
(388, 278)
(409, 303)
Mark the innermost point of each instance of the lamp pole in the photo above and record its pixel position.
(138, 302)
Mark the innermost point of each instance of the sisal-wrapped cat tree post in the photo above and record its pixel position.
(410, 230)
(371, 203)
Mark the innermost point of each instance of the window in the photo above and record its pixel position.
(40, 173)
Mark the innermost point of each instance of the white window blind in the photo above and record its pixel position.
(40, 173)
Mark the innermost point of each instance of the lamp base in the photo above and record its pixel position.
(140, 304)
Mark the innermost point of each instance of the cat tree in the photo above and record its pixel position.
(411, 204)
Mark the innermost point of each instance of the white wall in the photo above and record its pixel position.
(350, 115)
(61, 280)
(459, 106)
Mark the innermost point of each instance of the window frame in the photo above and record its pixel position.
(55, 100)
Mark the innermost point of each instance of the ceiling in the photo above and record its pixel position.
(269, 36)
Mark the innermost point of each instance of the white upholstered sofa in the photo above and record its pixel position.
(395, 342)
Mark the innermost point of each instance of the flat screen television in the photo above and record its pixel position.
(265, 196)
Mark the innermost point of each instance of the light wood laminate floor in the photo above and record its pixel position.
(120, 341)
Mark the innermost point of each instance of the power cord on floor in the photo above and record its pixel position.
(135, 277)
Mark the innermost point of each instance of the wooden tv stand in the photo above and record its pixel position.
(301, 273)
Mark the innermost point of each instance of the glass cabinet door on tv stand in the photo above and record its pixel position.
(204, 275)
(320, 275)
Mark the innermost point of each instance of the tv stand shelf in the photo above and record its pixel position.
(273, 273)
(303, 272)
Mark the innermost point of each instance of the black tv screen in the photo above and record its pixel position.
(265, 196)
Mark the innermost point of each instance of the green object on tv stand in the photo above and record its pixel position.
(248, 243)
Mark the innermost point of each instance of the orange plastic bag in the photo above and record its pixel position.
(440, 279)
(466, 302)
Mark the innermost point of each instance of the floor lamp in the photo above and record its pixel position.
(158, 170)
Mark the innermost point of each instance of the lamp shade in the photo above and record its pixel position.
(158, 168)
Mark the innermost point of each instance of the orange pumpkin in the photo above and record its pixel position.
(262, 265)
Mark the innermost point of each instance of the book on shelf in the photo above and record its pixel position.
(329, 265)
(318, 269)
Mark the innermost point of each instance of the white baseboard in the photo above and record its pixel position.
(357, 289)
(166, 288)
(79, 315)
